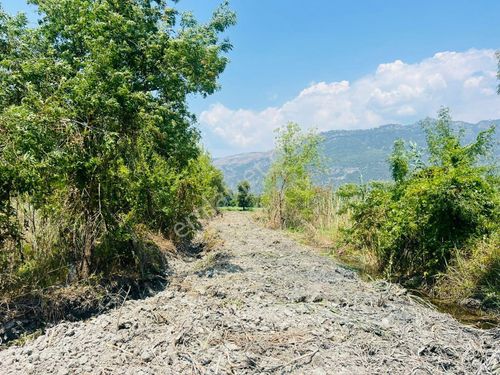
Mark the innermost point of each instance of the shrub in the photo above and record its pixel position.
(417, 224)
(474, 274)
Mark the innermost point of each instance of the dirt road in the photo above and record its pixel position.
(261, 303)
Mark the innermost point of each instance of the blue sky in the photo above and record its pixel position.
(346, 65)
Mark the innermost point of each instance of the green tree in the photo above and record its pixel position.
(289, 188)
(445, 148)
(94, 124)
(244, 197)
(399, 161)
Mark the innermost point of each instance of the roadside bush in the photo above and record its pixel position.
(434, 213)
(97, 145)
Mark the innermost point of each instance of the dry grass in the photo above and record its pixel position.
(39, 282)
(211, 239)
(207, 262)
(36, 261)
(165, 245)
(474, 275)
(322, 220)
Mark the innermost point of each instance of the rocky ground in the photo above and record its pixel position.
(261, 303)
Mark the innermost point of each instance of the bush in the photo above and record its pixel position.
(432, 213)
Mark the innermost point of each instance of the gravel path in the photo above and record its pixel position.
(261, 303)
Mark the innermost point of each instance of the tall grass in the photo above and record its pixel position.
(329, 218)
(41, 257)
(34, 260)
(474, 274)
(322, 219)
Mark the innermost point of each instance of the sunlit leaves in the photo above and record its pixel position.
(93, 108)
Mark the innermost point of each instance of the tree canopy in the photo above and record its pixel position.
(95, 130)
(244, 197)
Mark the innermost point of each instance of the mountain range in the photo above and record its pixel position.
(349, 155)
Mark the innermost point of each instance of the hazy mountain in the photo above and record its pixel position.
(351, 155)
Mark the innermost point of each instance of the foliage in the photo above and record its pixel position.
(228, 199)
(399, 161)
(289, 189)
(417, 225)
(257, 201)
(244, 197)
(96, 138)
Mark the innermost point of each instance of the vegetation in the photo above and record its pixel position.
(348, 155)
(98, 147)
(438, 219)
(228, 199)
(289, 191)
(433, 209)
(244, 198)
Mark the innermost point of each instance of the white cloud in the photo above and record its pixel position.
(396, 93)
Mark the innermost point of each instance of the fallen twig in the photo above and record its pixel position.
(311, 355)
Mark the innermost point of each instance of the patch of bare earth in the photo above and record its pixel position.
(261, 303)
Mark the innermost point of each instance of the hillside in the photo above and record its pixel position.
(350, 155)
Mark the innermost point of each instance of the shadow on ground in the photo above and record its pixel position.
(218, 264)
